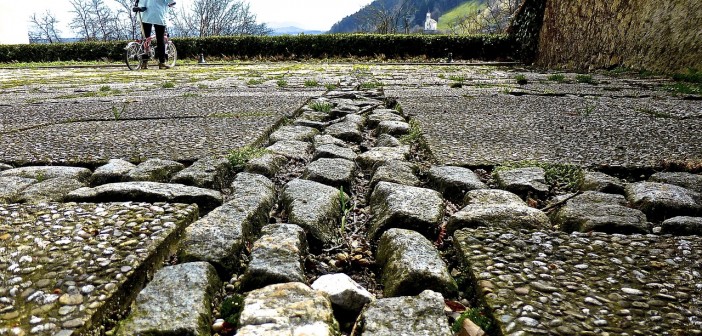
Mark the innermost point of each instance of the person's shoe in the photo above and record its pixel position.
(144, 65)
(163, 66)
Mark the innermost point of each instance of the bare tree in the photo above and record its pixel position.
(387, 18)
(44, 28)
(94, 21)
(127, 19)
(216, 18)
(493, 18)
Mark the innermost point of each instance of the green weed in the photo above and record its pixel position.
(692, 76)
(685, 88)
(240, 156)
(321, 106)
(330, 86)
(457, 78)
(281, 83)
(521, 79)
(587, 79)
(558, 176)
(654, 113)
(167, 85)
(479, 315)
(231, 308)
(311, 83)
(255, 81)
(414, 135)
(557, 78)
(371, 85)
(344, 208)
(105, 88)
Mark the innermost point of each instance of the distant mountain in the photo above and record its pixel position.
(362, 20)
(294, 31)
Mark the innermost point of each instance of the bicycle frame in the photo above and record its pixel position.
(139, 50)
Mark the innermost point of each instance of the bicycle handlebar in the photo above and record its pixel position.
(138, 9)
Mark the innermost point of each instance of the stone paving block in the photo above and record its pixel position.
(685, 180)
(394, 128)
(523, 180)
(287, 309)
(379, 155)
(51, 190)
(315, 207)
(332, 172)
(346, 130)
(405, 207)
(331, 151)
(682, 226)
(491, 196)
(660, 201)
(155, 170)
(318, 125)
(220, 236)
(356, 119)
(400, 172)
(41, 173)
(421, 315)
(177, 301)
(381, 115)
(411, 264)
(596, 181)
(4, 166)
(292, 149)
(277, 256)
(267, 164)
(299, 133)
(12, 186)
(209, 172)
(387, 140)
(517, 216)
(327, 139)
(454, 182)
(595, 211)
(68, 267)
(343, 292)
(549, 282)
(116, 170)
(206, 199)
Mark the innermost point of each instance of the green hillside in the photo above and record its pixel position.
(468, 8)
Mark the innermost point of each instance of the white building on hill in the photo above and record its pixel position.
(430, 24)
(13, 23)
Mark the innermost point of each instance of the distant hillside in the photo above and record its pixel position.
(359, 21)
(466, 9)
(294, 31)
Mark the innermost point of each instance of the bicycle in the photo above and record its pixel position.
(136, 51)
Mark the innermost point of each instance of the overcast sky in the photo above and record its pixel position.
(306, 14)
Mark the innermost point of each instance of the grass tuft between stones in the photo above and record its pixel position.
(231, 307)
(479, 315)
(240, 156)
(559, 176)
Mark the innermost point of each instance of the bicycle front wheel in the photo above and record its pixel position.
(171, 54)
(132, 56)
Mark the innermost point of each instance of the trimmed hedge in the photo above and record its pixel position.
(484, 47)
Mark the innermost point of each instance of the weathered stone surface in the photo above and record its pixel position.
(378, 155)
(343, 109)
(210, 172)
(277, 256)
(685, 180)
(287, 309)
(312, 115)
(116, 170)
(411, 264)
(421, 315)
(299, 133)
(356, 119)
(565, 282)
(596, 211)
(327, 139)
(221, 235)
(454, 182)
(333, 172)
(523, 180)
(343, 292)
(405, 207)
(491, 197)
(155, 170)
(682, 226)
(42, 173)
(315, 207)
(4, 166)
(596, 181)
(334, 152)
(517, 216)
(292, 149)
(347, 131)
(400, 172)
(387, 140)
(176, 302)
(51, 190)
(394, 128)
(267, 164)
(12, 186)
(661, 201)
(206, 199)
(381, 115)
(302, 121)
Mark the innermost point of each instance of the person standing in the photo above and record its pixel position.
(154, 15)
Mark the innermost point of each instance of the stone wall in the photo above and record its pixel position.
(662, 36)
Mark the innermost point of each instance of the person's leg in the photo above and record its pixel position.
(147, 33)
(161, 49)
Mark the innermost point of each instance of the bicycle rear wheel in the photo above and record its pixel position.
(132, 56)
(171, 54)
